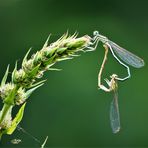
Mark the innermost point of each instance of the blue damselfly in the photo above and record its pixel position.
(117, 51)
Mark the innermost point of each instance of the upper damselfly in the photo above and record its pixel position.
(117, 51)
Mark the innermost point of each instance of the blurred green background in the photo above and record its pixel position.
(69, 108)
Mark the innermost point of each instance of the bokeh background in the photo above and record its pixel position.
(69, 108)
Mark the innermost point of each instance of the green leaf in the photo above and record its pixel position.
(13, 73)
(46, 43)
(30, 91)
(61, 50)
(64, 36)
(54, 69)
(74, 55)
(51, 52)
(64, 58)
(25, 58)
(10, 98)
(16, 120)
(38, 83)
(5, 112)
(34, 71)
(5, 77)
(49, 61)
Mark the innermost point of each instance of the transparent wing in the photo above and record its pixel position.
(114, 114)
(126, 56)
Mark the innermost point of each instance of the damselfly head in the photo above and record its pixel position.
(96, 33)
(100, 37)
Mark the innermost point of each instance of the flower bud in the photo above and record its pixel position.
(6, 89)
(27, 66)
(20, 96)
(78, 43)
(19, 75)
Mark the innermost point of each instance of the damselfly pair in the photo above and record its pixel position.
(125, 56)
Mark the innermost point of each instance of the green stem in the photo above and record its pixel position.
(6, 111)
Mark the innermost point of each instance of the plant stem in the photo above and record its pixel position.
(25, 80)
(6, 110)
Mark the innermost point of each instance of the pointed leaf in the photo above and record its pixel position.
(61, 50)
(34, 71)
(46, 43)
(13, 73)
(38, 83)
(10, 98)
(75, 55)
(49, 61)
(16, 120)
(64, 36)
(25, 58)
(54, 69)
(5, 76)
(30, 91)
(63, 59)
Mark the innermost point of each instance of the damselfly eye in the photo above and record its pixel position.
(95, 33)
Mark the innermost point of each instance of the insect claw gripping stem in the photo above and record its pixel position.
(94, 41)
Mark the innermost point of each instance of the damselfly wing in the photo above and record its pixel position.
(126, 56)
(114, 112)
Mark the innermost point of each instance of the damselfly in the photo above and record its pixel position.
(126, 56)
(112, 87)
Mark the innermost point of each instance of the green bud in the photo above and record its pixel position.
(78, 43)
(37, 58)
(19, 75)
(40, 74)
(20, 97)
(61, 50)
(51, 51)
(27, 66)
